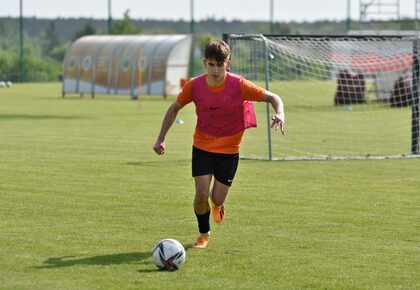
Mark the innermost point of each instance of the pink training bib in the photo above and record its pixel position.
(225, 113)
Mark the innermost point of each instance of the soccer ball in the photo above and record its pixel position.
(169, 255)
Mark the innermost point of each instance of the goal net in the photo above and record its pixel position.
(345, 97)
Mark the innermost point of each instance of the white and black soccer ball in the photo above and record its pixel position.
(169, 255)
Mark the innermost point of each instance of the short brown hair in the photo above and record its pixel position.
(217, 50)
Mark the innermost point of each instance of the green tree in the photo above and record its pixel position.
(59, 52)
(87, 30)
(50, 40)
(282, 28)
(125, 26)
(9, 35)
(163, 30)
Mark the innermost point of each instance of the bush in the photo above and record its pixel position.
(36, 69)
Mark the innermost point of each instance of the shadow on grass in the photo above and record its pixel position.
(144, 258)
(154, 163)
(36, 117)
(103, 260)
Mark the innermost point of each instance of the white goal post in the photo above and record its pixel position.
(346, 97)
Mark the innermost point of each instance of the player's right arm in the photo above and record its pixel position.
(167, 122)
(183, 98)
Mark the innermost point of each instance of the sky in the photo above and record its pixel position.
(245, 10)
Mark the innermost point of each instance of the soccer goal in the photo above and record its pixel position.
(346, 97)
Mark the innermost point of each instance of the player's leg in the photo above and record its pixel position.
(218, 197)
(202, 171)
(225, 170)
(219, 193)
(202, 186)
(202, 209)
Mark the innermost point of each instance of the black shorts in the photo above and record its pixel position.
(222, 166)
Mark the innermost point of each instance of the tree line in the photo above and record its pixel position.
(47, 40)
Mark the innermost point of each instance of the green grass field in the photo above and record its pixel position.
(83, 200)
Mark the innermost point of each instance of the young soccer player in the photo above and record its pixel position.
(223, 113)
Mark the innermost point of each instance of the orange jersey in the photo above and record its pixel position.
(225, 144)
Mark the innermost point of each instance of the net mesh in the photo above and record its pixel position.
(345, 97)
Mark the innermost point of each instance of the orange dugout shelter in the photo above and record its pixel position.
(127, 64)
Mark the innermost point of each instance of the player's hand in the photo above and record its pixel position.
(278, 122)
(159, 147)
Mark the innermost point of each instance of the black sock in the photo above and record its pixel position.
(203, 222)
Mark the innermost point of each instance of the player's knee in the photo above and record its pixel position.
(218, 199)
(201, 195)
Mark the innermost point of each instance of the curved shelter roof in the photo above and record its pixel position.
(127, 64)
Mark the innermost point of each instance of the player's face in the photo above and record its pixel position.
(216, 71)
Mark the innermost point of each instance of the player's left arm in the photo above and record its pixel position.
(277, 104)
(252, 92)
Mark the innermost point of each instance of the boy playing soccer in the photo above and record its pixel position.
(223, 113)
